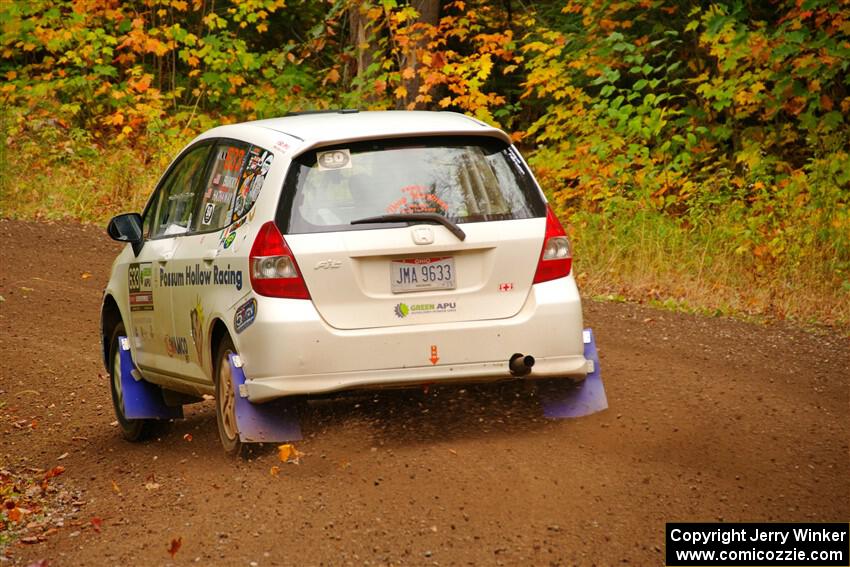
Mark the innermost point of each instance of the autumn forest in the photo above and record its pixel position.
(697, 151)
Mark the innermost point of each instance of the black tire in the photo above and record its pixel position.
(131, 429)
(225, 400)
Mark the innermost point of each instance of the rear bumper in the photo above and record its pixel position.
(271, 388)
(290, 350)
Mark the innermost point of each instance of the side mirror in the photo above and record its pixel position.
(127, 228)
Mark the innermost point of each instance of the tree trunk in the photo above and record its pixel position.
(358, 27)
(429, 13)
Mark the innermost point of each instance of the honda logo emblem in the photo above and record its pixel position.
(423, 235)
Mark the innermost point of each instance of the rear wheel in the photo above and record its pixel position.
(131, 429)
(225, 399)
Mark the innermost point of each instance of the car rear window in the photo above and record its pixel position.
(463, 179)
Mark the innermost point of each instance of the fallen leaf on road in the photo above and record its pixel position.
(30, 540)
(55, 471)
(275, 470)
(85, 276)
(52, 473)
(39, 563)
(287, 453)
(175, 546)
(27, 289)
(62, 456)
(96, 523)
(187, 437)
(116, 489)
(13, 513)
(453, 452)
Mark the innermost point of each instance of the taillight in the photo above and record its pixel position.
(274, 272)
(555, 260)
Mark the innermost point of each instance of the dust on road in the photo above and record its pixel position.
(709, 420)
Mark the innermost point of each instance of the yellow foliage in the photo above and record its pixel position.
(115, 119)
(332, 76)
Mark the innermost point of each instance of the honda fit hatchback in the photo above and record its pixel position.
(338, 251)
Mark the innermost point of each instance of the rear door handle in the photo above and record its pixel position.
(209, 256)
(165, 257)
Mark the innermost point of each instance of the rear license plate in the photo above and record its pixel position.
(422, 274)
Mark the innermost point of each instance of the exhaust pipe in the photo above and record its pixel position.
(520, 364)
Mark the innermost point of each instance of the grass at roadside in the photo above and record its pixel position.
(88, 188)
(650, 258)
(633, 254)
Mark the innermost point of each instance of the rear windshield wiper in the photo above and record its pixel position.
(431, 218)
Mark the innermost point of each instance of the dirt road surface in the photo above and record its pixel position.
(709, 420)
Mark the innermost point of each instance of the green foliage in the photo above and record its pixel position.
(720, 116)
(721, 127)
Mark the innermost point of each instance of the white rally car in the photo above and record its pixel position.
(337, 251)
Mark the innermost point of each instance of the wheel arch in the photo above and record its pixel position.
(110, 317)
(218, 330)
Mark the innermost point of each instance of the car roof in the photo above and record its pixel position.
(324, 128)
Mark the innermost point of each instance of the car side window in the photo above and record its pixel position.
(233, 185)
(221, 186)
(172, 211)
(257, 166)
(150, 213)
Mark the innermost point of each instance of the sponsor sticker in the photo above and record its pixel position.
(142, 329)
(417, 199)
(245, 315)
(403, 310)
(196, 320)
(516, 161)
(208, 213)
(140, 287)
(228, 235)
(333, 159)
(201, 276)
(177, 347)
